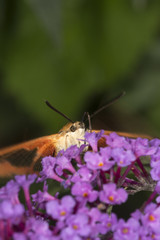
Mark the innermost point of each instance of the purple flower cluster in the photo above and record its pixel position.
(95, 181)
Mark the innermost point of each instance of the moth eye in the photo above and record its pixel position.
(73, 128)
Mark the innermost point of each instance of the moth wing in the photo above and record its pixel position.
(102, 141)
(129, 135)
(25, 158)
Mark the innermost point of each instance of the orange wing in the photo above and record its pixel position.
(26, 157)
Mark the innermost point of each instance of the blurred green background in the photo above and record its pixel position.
(78, 54)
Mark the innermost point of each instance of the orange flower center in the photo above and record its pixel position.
(111, 198)
(108, 224)
(63, 213)
(85, 194)
(75, 227)
(125, 230)
(100, 164)
(151, 218)
(153, 236)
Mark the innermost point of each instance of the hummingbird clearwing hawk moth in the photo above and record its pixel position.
(25, 158)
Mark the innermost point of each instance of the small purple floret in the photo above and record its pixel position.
(116, 141)
(123, 157)
(92, 138)
(100, 160)
(60, 209)
(84, 191)
(127, 230)
(111, 195)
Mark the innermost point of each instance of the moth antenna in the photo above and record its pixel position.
(108, 104)
(88, 118)
(57, 111)
(84, 116)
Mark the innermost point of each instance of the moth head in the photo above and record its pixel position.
(72, 127)
(71, 134)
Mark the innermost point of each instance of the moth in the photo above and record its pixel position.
(25, 158)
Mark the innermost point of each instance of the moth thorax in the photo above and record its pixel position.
(71, 134)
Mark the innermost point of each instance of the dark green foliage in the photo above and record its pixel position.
(78, 54)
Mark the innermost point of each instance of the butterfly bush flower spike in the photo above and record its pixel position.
(95, 182)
